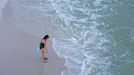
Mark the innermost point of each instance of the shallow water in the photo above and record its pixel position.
(101, 32)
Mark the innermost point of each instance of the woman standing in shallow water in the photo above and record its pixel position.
(43, 48)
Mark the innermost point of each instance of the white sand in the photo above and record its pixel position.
(18, 51)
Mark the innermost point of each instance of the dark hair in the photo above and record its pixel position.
(46, 37)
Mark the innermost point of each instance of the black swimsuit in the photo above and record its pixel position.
(41, 45)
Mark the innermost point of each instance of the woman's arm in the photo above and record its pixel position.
(46, 47)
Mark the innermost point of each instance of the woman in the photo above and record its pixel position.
(43, 47)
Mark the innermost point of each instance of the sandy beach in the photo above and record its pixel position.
(18, 50)
(90, 37)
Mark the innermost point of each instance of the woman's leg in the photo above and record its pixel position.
(43, 55)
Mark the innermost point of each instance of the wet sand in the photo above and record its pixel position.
(2, 5)
(18, 51)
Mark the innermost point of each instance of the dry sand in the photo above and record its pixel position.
(18, 51)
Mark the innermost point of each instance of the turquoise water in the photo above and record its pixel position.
(101, 33)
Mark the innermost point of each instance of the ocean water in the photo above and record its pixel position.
(100, 32)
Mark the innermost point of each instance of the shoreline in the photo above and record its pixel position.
(23, 54)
